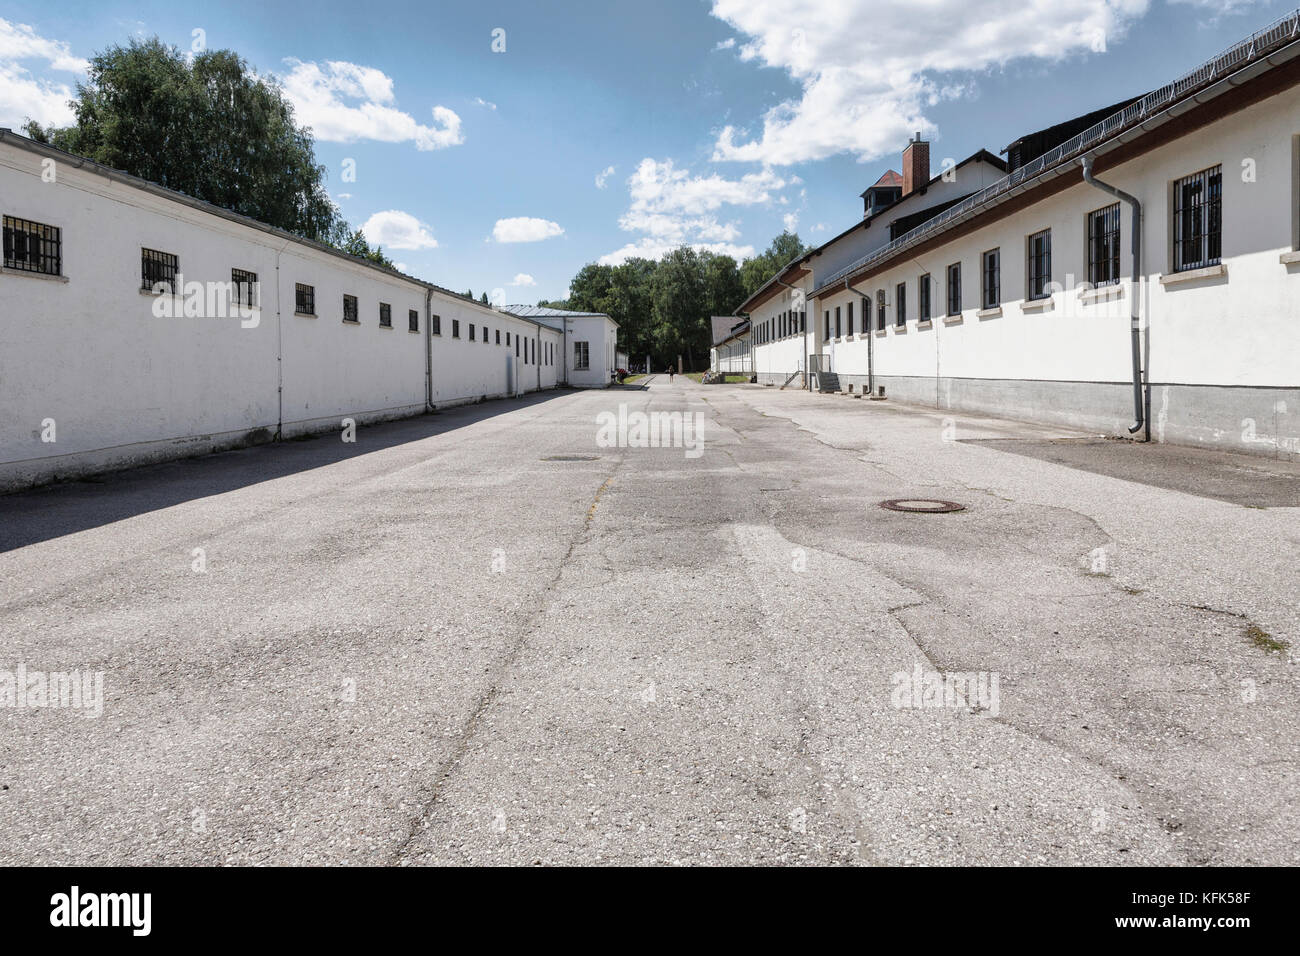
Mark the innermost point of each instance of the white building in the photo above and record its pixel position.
(732, 352)
(126, 336)
(1019, 299)
(590, 340)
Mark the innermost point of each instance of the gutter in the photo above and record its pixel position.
(1135, 327)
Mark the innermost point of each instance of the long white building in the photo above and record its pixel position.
(138, 324)
(1016, 296)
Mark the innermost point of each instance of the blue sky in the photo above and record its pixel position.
(606, 129)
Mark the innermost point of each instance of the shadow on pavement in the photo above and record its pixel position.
(51, 511)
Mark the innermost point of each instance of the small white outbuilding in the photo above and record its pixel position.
(590, 343)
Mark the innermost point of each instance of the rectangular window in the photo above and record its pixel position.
(900, 304)
(1039, 264)
(350, 308)
(487, 334)
(517, 340)
(385, 315)
(581, 355)
(158, 271)
(954, 289)
(412, 320)
(923, 313)
(498, 336)
(880, 309)
(838, 328)
(304, 299)
(1198, 220)
(991, 279)
(455, 328)
(244, 287)
(471, 331)
(507, 339)
(435, 324)
(32, 247)
(828, 325)
(848, 320)
(1103, 246)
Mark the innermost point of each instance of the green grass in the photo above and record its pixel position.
(632, 378)
(729, 380)
(1264, 640)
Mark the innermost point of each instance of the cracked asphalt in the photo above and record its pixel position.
(438, 646)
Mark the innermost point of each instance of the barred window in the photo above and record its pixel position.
(304, 299)
(244, 285)
(487, 335)
(954, 289)
(455, 328)
(1103, 246)
(471, 331)
(32, 247)
(880, 309)
(350, 313)
(1039, 251)
(900, 304)
(1198, 219)
(435, 324)
(923, 298)
(581, 355)
(385, 315)
(498, 337)
(412, 320)
(158, 269)
(991, 279)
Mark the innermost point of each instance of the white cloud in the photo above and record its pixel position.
(868, 69)
(23, 95)
(602, 177)
(726, 44)
(398, 230)
(791, 221)
(344, 196)
(672, 208)
(484, 103)
(344, 102)
(525, 229)
(523, 279)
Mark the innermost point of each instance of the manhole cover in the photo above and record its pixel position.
(570, 458)
(921, 505)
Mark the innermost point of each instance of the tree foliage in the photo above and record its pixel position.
(663, 307)
(207, 126)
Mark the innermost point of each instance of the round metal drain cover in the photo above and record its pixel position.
(921, 505)
(570, 458)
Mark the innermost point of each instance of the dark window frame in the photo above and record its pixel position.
(1198, 220)
(241, 281)
(900, 305)
(435, 324)
(385, 315)
(953, 289)
(1038, 265)
(158, 268)
(351, 309)
(991, 278)
(455, 328)
(41, 247)
(924, 307)
(1103, 246)
(304, 299)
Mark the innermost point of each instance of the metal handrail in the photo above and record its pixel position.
(1259, 44)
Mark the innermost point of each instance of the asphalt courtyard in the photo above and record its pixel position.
(490, 636)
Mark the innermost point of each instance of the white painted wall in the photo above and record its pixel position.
(1240, 330)
(124, 385)
(600, 332)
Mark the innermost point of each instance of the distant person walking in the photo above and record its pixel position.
(670, 375)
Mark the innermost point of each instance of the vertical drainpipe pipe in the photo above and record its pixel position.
(868, 329)
(428, 349)
(279, 350)
(1140, 418)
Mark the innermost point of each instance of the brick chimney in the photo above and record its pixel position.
(916, 164)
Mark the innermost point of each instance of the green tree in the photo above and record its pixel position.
(679, 298)
(784, 249)
(205, 126)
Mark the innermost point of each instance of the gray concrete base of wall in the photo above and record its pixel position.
(1253, 421)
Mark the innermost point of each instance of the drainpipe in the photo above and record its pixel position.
(868, 329)
(807, 378)
(1140, 419)
(428, 349)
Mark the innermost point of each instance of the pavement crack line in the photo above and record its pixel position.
(504, 664)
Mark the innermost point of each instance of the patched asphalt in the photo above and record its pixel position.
(484, 637)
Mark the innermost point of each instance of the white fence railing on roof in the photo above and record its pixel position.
(1282, 31)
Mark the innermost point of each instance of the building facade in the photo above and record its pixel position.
(1020, 298)
(137, 324)
(589, 343)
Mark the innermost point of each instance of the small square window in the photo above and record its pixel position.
(304, 299)
(243, 287)
(158, 271)
(32, 247)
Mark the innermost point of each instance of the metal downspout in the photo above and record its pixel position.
(1140, 418)
(868, 329)
(806, 377)
(428, 350)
